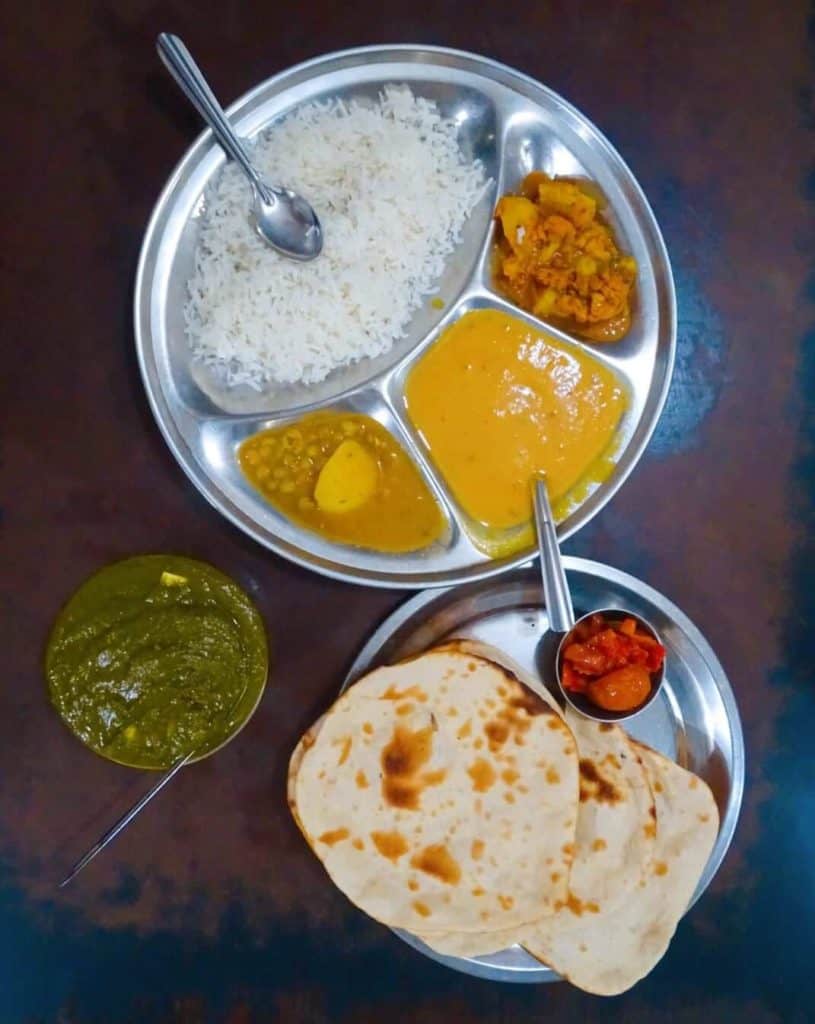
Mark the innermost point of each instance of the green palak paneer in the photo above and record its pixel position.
(154, 657)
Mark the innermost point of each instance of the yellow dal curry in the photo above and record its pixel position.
(344, 476)
(498, 402)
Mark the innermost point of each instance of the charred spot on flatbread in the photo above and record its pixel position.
(436, 860)
(482, 774)
(403, 757)
(520, 707)
(595, 786)
(392, 845)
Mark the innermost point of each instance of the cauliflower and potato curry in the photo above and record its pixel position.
(559, 261)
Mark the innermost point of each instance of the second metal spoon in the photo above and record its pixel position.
(555, 588)
(283, 219)
(558, 601)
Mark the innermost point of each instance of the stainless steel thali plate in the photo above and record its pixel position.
(694, 720)
(513, 125)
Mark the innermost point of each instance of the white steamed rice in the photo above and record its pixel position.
(392, 191)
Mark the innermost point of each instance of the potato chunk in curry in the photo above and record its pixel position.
(558, 260)
(344, 476)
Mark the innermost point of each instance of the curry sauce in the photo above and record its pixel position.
(343, 476)
(498, 402)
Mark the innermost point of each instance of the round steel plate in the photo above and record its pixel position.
(694, 720)
(513, 125)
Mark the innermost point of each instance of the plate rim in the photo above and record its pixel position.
(166, 418)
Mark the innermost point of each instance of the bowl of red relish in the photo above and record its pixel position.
(610, 665)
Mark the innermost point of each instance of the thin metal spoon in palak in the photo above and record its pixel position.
(125, 820)
(139, 806)
(283, 219)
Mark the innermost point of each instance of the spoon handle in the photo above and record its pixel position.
(179, 62)
(125, 820)
(142, 802)
(555, 588)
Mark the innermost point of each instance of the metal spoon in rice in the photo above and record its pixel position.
(283, 219)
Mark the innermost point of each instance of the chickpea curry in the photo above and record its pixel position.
(343, 476)
(558, 260)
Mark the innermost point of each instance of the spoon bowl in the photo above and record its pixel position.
(283, 219)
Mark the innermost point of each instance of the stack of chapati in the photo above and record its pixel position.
(449, 796)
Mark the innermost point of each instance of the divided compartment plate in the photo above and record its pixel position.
(513, 125)
(694, 720)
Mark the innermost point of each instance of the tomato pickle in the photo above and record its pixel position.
(611, 662)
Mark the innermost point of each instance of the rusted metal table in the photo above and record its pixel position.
(211, 907)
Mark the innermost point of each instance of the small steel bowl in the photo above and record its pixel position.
(581, 703)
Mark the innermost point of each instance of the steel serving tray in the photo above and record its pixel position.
(513, 125)
(694, 720)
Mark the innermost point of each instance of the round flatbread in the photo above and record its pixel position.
(616, 824)
(442, 793)
(607, 957)
(616, 821)
(614, 840)
(305, 742)
(498, 657)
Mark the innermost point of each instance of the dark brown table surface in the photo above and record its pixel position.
(211, 908)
